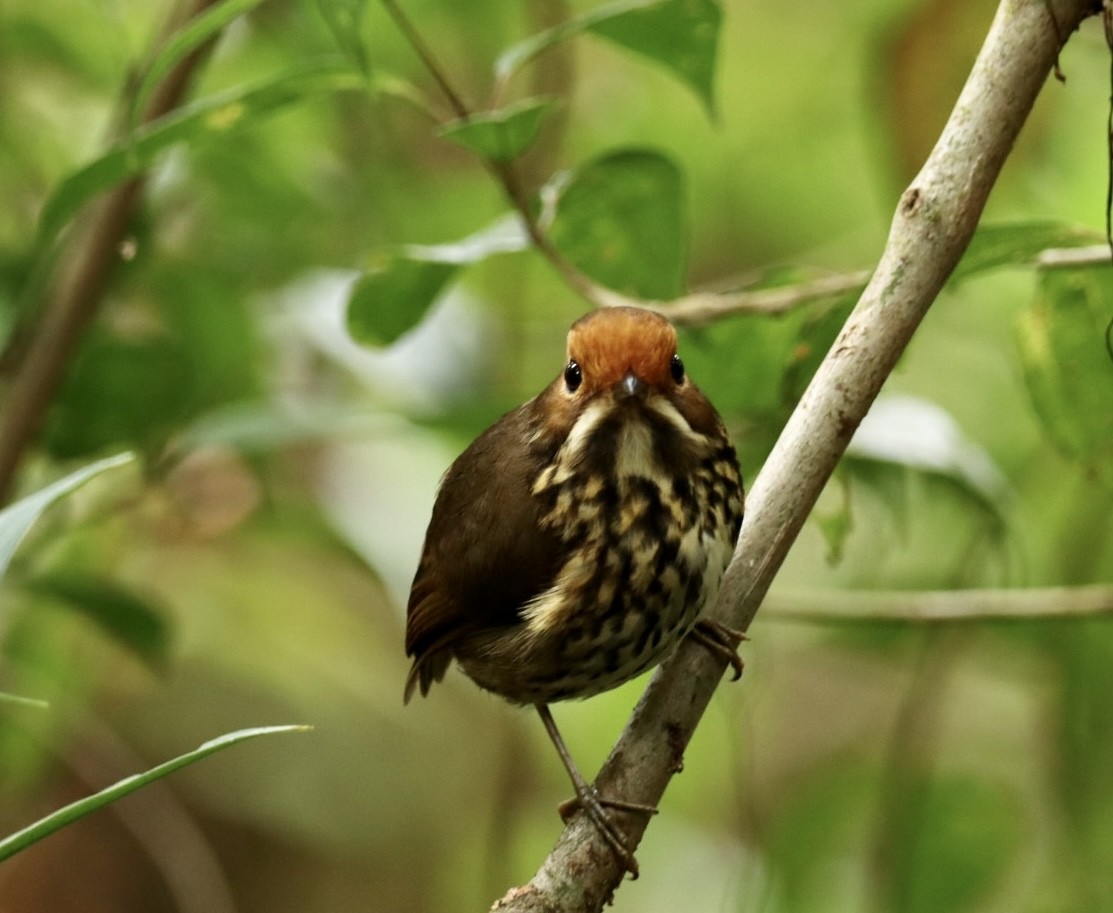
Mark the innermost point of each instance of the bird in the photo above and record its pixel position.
(579, 538)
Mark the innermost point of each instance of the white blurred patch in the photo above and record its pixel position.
(917, 433)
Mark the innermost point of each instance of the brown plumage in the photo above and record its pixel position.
(580, 537)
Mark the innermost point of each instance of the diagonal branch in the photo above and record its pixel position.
(933, 224)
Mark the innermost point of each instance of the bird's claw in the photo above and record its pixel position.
(722, 641)
(594, 806)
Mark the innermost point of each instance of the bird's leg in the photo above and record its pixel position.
(720, 640)
(588, 799)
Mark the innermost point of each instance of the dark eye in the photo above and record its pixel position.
(677, 369)
(573, 377)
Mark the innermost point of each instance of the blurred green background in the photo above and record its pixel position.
(252, 568)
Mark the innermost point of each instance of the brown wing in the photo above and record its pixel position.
(485, 553)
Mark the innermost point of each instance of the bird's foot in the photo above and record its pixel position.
(595, 807)
(722, 641)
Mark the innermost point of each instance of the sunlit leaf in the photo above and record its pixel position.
(190, 37)
(502, 134)
(17, 518)
(621, 220)
(22, 839)
(206, 119)
(1016, 244)
(393, 296)
(680, 35)
(130, 620)
(1067, 369)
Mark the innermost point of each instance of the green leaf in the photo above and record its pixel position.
(17, 518)
(120, 393)
(206, 119)
(393, 296)
(22, 839)
(1017, 244)
(344, 19)
(1067, 369)
(680, 35)
(620, 219)
(187, 39)
(128, 619)
(504, 133)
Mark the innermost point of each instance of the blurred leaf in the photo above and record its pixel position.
(913, 432)
(954, 838)
(206, 119)
(261, 427)
(120, 613)
(393, 296)
(344, 19)
(1017, 244)
(44, 827)
(187, 39)
(835, 526)
(680, 35)
(16, 519)
(1061, 342)
(620, 219)
(120, 391)
(502, 134)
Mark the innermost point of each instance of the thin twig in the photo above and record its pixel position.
(938, 606)
(426, 54)
(933, 224)
(91, 253)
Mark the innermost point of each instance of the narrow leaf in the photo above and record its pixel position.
(502, 134)
(620, 219)
(17, 518)
(187, 39)
(22, 839)
(18, 700)
(207, 118)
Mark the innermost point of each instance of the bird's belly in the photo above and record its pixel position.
(627, 594)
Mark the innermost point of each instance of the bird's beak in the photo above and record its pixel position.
(631, 385)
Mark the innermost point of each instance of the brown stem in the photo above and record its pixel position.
(87, 262)
(932, 226)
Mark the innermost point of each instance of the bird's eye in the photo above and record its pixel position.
(676, 366)
(573, 377)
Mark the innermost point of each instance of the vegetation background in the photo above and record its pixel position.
(252, 567)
